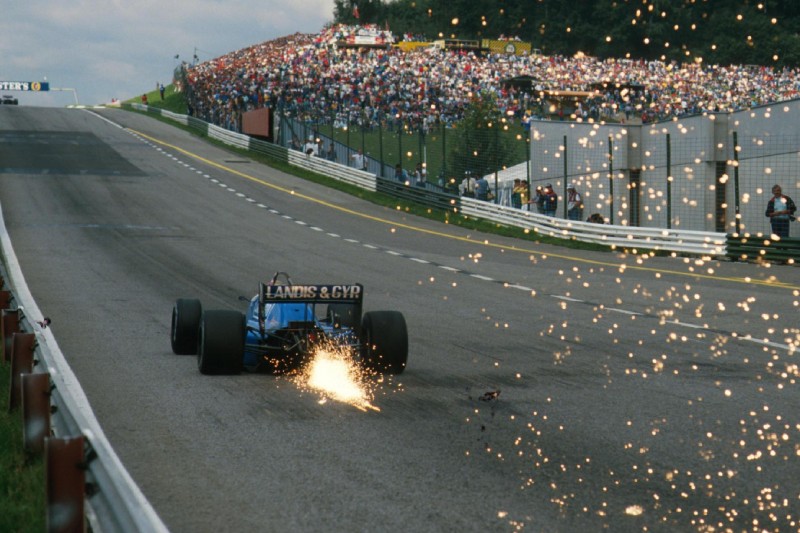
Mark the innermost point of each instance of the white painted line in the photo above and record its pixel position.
(623, 311)
(520, 287)
(449, 269)
(316, 228)
(370, 246)
(420, 261)
(300, 222)
(567, 298)
(392, 252)
(334, 235)
(484, 278)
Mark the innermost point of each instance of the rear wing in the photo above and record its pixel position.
(269, 293)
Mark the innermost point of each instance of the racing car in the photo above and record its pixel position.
(284, 326)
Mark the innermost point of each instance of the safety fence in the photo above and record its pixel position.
(88, 488)
(643, 238)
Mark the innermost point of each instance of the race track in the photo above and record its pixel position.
(547, 389)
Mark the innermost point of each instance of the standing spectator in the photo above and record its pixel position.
(538, 200)
(400, 174)
(419, 175)
(359, 161)
(144, 99)
(519, 194)
(550, 202)
(574, 204)
(331, 154)
(310, 148)
(161, 90)
(780, 210)
(467, 187)
(482, 188)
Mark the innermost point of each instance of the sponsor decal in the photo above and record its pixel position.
(312, 292)
(35, 86)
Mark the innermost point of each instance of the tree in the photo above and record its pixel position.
(477, 144)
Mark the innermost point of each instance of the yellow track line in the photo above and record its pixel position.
(748, 281)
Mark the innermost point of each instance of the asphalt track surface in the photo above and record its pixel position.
(547, 389)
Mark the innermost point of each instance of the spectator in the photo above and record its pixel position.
(144, 99)
(400, 174)
(331, 153)
(574, 204)
(359, 161)
(467, 187)
(310, 148)
(780, 210)
(550, 201)
(538, 200)
(482, 188)
(596, 218)
(419, 175)
(519, 194)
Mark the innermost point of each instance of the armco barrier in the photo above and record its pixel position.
(22, 346)
(760, 247)
(116, 503)
(682, 241)
(702, 243)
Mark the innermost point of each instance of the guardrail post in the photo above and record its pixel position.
(35, 390)
(22, 345)
(5, 298)
(66, 484)
(10, 325)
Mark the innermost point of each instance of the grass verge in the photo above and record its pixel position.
(22, 478)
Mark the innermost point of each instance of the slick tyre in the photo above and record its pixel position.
(385, 342)
(185, 325)
(221, 342)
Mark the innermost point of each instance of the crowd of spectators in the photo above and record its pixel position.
(312, 77)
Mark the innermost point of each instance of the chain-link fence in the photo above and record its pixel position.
(706, 173)
(442, 153)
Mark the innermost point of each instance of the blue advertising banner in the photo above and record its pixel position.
(24, 86)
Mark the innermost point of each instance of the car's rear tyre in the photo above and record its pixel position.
(385, 341)
(185, 325)
(345, 315)
(221, 342)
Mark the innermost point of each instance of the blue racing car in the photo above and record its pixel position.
(285, 324)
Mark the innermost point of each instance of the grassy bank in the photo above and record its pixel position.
(22, 478)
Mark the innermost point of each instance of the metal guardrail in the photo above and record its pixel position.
(671, 240)
(704, 243)
(116, 503)
(762, 247)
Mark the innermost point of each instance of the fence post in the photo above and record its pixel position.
(22, 345)
(669, 182)
(737, 214)
(611, 178)
(66, 484)
(10, 325)
(35, 392)
(566, 177)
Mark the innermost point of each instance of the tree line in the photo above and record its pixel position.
(713, 32)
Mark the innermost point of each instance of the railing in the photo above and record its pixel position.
(761, 247)
(704, 243)
(113, 500)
